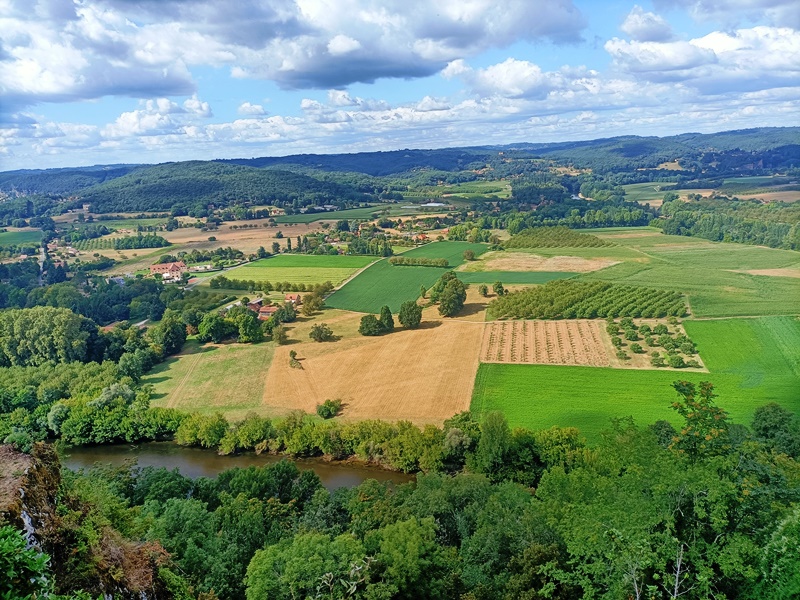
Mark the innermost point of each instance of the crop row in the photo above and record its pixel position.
(565, 299)
(554, 237)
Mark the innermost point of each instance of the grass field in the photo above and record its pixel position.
(384, 284)
(131, 224)
(301, 268)
(751, 361)
(392, 210)
(227, 378)
(15, 238)
(521, 277)
(708, 272)
(644, 192)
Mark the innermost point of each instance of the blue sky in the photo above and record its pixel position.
(111, 81)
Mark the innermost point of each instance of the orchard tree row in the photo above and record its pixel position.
(566, 299)
(554, 237)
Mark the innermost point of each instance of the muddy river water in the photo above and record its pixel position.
(197, 462)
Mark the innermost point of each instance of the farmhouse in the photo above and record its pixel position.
(265, 312)
(255, 305)
(293, 298)
(170, 270)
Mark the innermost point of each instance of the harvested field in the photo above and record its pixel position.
(247, 239)
(576, 342)
(424, 375)
(524, 261)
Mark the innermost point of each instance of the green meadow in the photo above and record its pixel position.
(751, 361)
(512, 277)
(16, 238)
(385, 284)
(301, 268)
(391, 210)
(712, 274)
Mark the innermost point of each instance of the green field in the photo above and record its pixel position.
(708, 272)
(644, 192)
(392, 210)
(511, 277)
(301, 268)
(200, 378)
(752, 362)
(384, 284)
(15, 238)
(130, 223)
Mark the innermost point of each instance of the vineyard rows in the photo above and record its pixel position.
(565, 299)
(554, 237)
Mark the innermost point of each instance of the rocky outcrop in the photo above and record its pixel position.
(107, 564)
(29, 485)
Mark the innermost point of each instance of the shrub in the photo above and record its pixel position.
(483, 290)
(469, 255)
(370, 326)
(637, 349)
(410, 314)
(329, 408)
(321, 333)
(675, 361)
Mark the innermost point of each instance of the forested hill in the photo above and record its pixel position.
(59, 181)
(380, 164)
(189, 184)
(322, 177)
(767, 147)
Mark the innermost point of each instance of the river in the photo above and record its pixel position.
(197, 462)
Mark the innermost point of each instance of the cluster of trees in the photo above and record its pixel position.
(222, 282)
(375, 246)
(725, 220)
(238, 321)
(450, 293)
(133, 242)
(418, 261)
(554, 237)
(56, 384)
(659, 335)
(371, 325)
(221, 255)
(706, 510)
(566, 299)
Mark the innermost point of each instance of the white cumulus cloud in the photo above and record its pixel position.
(646, 26)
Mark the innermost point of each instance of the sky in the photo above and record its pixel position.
(86, 82)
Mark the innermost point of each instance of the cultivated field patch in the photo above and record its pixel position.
(751, 362)
(384, 284)
(424, 375)
(20, 236)
(524, 261)
(575, 342)
(301, 268)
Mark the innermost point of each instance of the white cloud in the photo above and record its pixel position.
(780, 13)
(341, 44)
(717, 63)
(245, 108)
(646, 26)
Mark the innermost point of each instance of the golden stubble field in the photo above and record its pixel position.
(424, 375)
